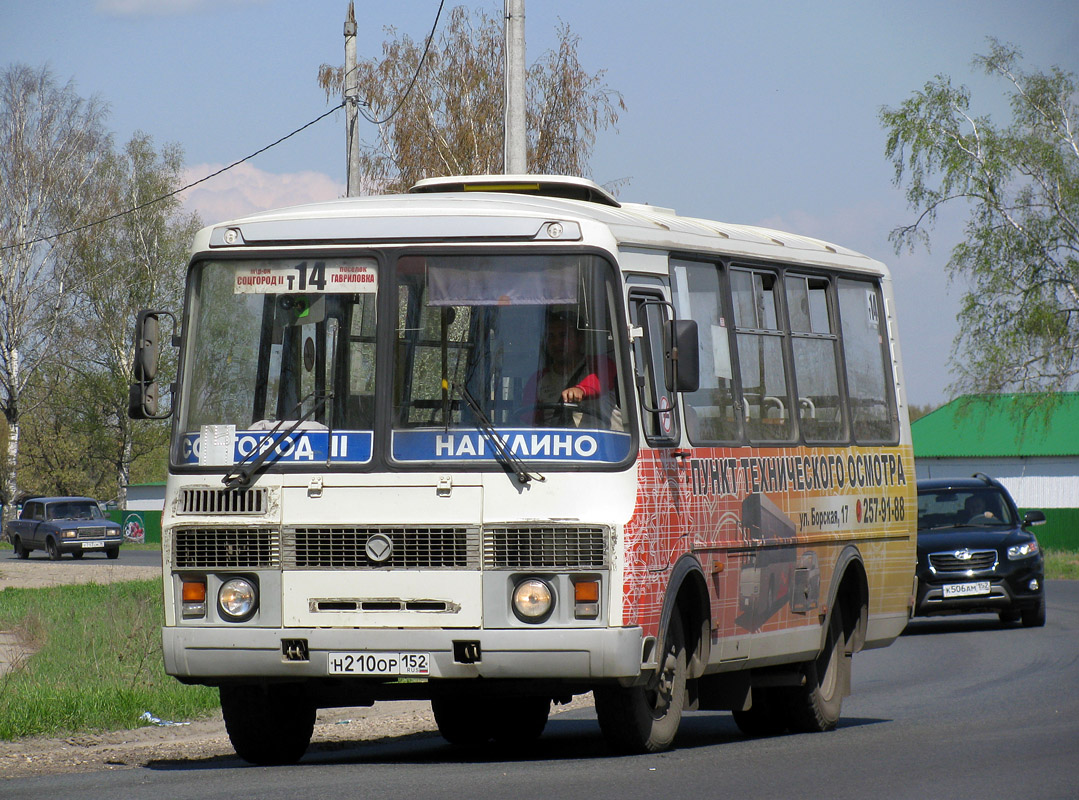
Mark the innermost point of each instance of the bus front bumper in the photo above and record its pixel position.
(204, 653)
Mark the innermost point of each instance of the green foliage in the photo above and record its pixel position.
(98, 662)
(1019, 318)
(451, 121)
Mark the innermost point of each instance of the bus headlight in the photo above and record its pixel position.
(533, 600)
(237, 599)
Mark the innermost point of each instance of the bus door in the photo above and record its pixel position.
(664, 471)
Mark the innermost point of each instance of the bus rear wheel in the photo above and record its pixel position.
(766, 717)
(267, 725)
(645, 719)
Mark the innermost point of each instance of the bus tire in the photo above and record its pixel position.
(766, 717)
(815, 706)
(519, 720)
(267, 725)
(644, 719)
(462, 720)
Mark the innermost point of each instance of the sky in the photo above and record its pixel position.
(764, 112)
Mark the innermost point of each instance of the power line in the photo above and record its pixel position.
(172, 193)
(412, 83)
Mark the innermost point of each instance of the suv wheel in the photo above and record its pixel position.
(1034, 617)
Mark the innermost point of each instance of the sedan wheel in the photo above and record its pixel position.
(54, 551)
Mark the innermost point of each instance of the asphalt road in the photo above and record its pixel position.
(958, 707)
(129, 556)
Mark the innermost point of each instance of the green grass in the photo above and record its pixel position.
(97, 663)
(1062, 565)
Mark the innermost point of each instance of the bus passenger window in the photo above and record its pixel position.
(814, 343)
(710, 411)
(865, 352)
(761, 360)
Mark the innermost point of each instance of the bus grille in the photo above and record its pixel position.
(222, 501)
(214, 548)
(410, 548)
(979, 561)
(525, 547)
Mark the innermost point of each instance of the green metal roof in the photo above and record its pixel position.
(999, 426)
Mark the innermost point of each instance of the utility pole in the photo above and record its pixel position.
(352, 139)
(515, 148)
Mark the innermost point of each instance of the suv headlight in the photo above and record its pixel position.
(237, 599)
(1024, 550)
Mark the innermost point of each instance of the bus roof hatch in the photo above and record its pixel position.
(562, 186)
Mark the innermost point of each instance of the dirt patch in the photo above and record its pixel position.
(35, 573)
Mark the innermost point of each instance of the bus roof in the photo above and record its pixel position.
(493, 208)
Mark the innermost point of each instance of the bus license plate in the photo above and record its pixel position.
(966, 589)
(378, 663)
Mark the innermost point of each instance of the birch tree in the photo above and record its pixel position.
(52, 144)
(1019, 185)
(449, 122)
(134, 261)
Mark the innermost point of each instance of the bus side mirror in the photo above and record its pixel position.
(682, 371)
(142, 399)
(147, 345)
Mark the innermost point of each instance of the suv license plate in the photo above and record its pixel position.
(378, 663)
(966, 589)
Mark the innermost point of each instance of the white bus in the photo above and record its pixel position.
(505, 440)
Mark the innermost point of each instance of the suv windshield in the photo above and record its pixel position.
(959, 508)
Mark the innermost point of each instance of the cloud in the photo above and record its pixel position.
(161, 8)
(245, 189)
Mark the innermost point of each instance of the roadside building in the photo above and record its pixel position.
(1035, 456)
(141, 519)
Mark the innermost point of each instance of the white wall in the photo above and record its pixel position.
(1032, 482)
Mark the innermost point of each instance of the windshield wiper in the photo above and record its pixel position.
(242, 472)
(502, 453)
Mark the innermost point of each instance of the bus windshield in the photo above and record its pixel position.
(516, 343)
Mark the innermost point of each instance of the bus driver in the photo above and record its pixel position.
(569, 376)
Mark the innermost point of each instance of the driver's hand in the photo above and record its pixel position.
(574, 394)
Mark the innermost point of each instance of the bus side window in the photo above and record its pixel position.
(659, 416)
(761, 357)
(865, 353)
(816, 364)
(710, 412)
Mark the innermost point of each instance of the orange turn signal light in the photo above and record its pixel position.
(194, 592)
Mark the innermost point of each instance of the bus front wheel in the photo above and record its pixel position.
(644, 719)
(267, 725)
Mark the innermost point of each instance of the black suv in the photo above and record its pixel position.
(975, 554)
